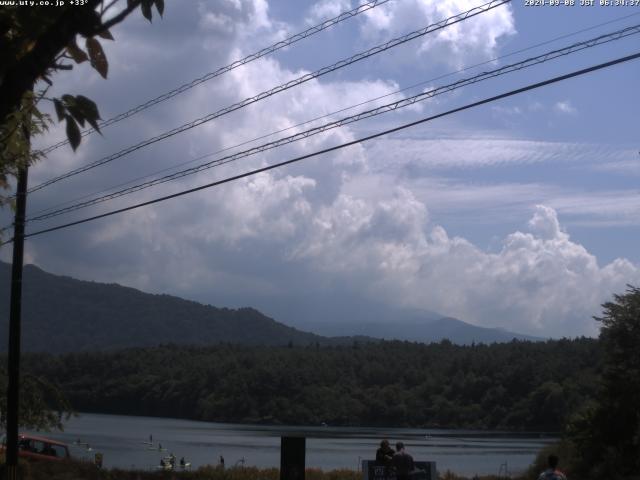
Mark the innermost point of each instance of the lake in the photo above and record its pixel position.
(122, 439)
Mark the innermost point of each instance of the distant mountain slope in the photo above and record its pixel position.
(62, 314)
(425, 327)
(464, 333)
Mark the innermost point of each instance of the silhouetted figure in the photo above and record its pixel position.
(403, 462)
(384, 454)
(221, 461)
(552, 473)
(182, 462)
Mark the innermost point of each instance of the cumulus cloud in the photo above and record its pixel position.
(539, 282)
(326, 9)
(456, 44)
(331, 225)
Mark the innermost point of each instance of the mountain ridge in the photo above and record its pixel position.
(64, 314)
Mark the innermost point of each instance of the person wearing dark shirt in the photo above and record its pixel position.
(552, 473)
(385, 453)
(403, 462)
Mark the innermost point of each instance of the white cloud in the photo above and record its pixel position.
(565, 108)
(483, 151)
(338, 219)
(545, 225)
(500, 110)
(458, 43)
(217, 22)
(325, 9)
(540, 282)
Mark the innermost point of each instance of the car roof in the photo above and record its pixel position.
(42, 439)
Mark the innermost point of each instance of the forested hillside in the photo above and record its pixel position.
(62, 314)
(517, 385)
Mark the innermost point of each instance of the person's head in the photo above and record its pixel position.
(552, 460)
(399, 446)
(384, 443)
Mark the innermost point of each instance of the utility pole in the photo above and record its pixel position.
(13, 390)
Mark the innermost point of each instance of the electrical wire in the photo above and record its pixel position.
(306, 122)
(343, 145)
(305, 78)
(222, 70)
(576, 47)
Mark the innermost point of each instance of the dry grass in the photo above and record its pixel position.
(38, 470)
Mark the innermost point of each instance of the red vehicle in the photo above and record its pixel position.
(31, 446)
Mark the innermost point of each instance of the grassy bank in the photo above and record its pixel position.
(73, 470)
(33, 470)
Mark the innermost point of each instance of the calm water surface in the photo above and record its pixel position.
(122, 441)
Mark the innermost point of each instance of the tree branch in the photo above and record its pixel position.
(104, 9)
(118, 18)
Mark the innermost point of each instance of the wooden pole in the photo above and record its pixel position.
(13, 390)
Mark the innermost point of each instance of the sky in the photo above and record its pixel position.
(522, 213)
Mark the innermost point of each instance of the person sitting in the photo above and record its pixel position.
(403, 462)
(384, 454)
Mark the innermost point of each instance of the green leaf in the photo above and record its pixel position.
(160, 6)
(60, 111)
(73, 133)
(68, 99)
(106, 35)
(70, 104)
(97, 57)
(76, 53)
(145, 6)
(88, 106)
(89, 110)
(77, 114)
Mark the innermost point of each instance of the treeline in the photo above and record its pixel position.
(517, 385)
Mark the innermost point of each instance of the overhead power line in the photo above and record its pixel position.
(343, 145)
(350, 107)
(280, 88)
(222, 70)
(576, 47)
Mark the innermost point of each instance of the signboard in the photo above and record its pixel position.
(376, 471)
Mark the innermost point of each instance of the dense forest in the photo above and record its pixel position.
(517, 385)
